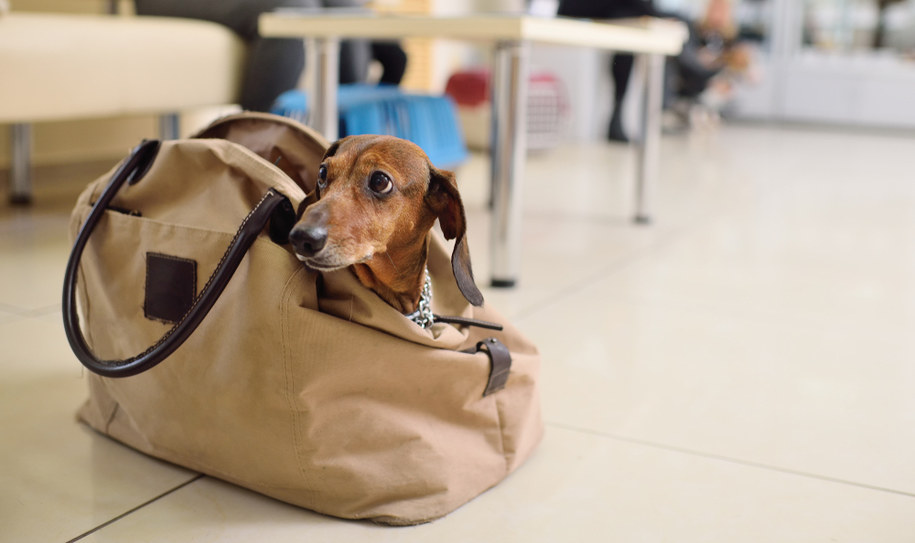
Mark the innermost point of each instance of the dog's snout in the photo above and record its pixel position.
(308, 241)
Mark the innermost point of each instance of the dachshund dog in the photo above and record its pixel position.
(376, 200)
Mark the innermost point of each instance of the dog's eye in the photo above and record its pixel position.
(322, 176)
(380, 183)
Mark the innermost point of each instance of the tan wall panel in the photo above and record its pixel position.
(66, 6)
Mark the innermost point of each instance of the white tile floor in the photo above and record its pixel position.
(742, 370)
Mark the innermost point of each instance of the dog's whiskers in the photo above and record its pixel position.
(391, 260)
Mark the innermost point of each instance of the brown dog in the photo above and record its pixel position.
(377, 199)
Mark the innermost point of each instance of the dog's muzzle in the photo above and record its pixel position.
(308, 241)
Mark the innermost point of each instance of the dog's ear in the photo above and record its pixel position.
(445, 201)
(332, 150)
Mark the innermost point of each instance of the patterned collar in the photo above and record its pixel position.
(423, 315)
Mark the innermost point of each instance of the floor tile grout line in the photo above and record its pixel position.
(24, 313)
(44, 310)
(601, 273)
(137, 508)
(13, 310)
(636, 257)
(731, 460)
(609, 269)
(764, 317)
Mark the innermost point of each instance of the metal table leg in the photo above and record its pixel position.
(169, 126)
(21, 164)
(508, 135)
(324, 83)
(649, 147)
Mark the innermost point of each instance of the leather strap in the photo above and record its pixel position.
(501, 364)
(251, 227)
(465, 321)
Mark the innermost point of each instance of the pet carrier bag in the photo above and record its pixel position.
(214, 348)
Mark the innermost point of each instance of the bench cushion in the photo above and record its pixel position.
(58, 66)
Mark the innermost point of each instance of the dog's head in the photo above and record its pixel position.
(378, 196)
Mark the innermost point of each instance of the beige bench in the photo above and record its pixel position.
(65, 67)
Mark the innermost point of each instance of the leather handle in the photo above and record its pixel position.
(247, 232)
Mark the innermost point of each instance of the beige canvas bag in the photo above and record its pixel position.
(304, 387)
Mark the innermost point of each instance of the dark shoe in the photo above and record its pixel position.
(615, 131)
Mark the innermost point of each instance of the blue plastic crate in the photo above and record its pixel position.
(426, 120)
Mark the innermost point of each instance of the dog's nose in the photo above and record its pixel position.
(308, 241)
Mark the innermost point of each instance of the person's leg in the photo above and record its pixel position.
(272, 67)
(355, 56)
(621, 70)
(393, 61)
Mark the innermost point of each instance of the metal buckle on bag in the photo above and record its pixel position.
(500, 364)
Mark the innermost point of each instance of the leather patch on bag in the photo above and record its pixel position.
(171, 286)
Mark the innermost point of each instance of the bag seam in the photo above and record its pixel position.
(289, 373)
(110, 420)
(500, 422)
(282, 183)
